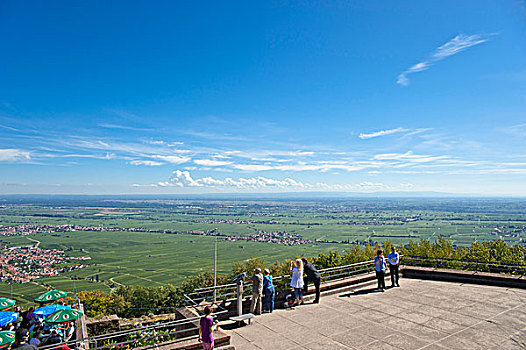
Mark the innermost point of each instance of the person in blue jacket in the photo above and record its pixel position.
(380, 267)
(268, 291)
(394, 263)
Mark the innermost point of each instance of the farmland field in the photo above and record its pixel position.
(155, 242)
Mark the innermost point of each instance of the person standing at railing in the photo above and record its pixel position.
(269, 291)
(206, 329)
(380, 268)
(257, 292)
(296, 282)
(394, 262)
(313, 276)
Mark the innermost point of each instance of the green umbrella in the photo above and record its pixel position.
(6, 338)
(6, 303)
(63, 316)
(52, 295)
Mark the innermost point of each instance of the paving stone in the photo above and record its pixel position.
(481, 338)
(389, 309)
(416, 317)
(425, 333)
(444, 325)
(354, 340)
(405, 341)
(326, 344)
(461, 343)
(378, 345)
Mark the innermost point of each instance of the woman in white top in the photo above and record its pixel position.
(296, 268)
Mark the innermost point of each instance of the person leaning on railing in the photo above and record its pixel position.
(394, 263)
(380, 268)
(313, 276)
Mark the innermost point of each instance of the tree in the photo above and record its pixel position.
(98, 303)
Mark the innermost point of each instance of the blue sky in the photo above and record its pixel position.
(270, 96)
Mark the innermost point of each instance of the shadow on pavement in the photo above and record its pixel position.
(360, 292)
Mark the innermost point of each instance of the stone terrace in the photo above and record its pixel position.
(419, 315)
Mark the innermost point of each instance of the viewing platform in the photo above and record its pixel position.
(422, 314)
(441, 304)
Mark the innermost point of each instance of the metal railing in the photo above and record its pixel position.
(465, 264)
(228, 291)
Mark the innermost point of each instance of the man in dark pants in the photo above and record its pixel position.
(394, 262)
(380, 268)
(313, 276)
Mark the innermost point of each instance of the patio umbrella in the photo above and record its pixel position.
(63, 316)
(51, 295)
(6, 338)
(7, 318)
(49, 309)
(6, 303)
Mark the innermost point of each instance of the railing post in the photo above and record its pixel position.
(239, 291)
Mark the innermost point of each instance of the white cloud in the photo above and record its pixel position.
(172, 159)
(14, 155)
(409, 156)
(211, 162)
(458, 44)
(518, 130)
(381, 133)
(253, 167)
(145, 162)
(181, 179)
(123, 127)
(184, 179)
(8, 128)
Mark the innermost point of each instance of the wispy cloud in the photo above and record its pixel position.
(8, 127)
(123, 127)
(381, 133)
(211, 162)
(172, 159)
(145, 162)
(409, 157)
(518, 130)
(14, 155)
(456, 45)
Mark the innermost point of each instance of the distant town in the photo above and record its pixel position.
(272, 237)
(25, 264)
(265, 237)
(23, 230)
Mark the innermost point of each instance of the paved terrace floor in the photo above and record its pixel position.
(419, 315)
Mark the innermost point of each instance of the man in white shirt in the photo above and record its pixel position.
(394, 262)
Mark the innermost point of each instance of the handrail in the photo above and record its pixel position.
(463, 260)
(470, 265)
(338, 272)
(331, 273)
